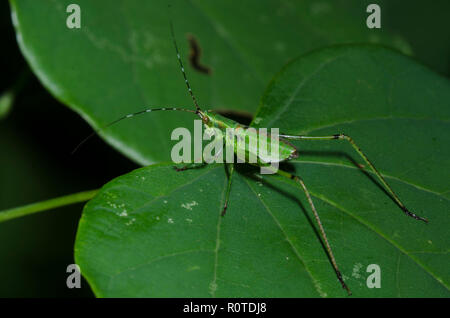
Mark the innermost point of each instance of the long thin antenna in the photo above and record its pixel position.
(182, 67)
(197, 108)
(148, 110)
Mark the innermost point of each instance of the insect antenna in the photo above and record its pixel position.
(182, 68)
(148, 110)
(197, 108)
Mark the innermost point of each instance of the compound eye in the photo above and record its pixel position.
(205, 120)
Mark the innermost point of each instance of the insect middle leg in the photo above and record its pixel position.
(229, 167)
(229, 170)
(366, 159)
(301, 184)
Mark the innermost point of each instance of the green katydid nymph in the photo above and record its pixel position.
(286, 152)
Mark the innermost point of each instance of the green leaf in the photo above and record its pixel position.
(158, 232)
(122, 59)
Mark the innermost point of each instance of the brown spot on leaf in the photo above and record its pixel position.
(195, 55)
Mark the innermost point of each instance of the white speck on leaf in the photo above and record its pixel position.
(123, 213)
(356, 270)
(112, 205)
(170, 221)
(189, 206)
(130, 222)
(212, 288)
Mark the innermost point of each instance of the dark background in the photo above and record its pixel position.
(36, 140)
(38, 134)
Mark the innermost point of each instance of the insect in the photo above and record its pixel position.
(287, 152)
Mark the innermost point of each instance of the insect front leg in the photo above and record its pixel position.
(366, 159)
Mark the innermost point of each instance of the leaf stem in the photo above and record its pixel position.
(13, 213)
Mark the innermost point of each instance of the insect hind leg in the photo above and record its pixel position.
(368, 162)
(301, 184)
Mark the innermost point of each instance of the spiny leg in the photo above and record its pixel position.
(299, 181)
(366, 159)
(229, 169)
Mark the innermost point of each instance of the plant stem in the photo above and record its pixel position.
(13, 213)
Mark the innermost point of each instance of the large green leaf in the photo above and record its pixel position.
(122, 58)
(158, 232)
